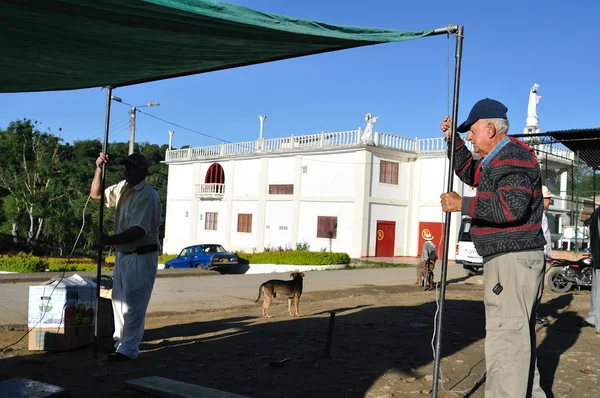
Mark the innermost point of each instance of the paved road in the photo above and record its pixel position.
(192, 293)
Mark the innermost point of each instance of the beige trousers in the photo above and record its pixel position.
(510, 356)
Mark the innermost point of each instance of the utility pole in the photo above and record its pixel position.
(132, 115)
(132, 129)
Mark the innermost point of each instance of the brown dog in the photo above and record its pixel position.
(290, 289)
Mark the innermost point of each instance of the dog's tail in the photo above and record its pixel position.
(260, 293)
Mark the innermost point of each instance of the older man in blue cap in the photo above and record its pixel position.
(506, 229)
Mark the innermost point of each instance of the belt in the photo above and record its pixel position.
(143, 249)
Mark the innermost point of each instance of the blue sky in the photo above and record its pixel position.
(508, 47)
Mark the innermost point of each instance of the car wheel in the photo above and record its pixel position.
(557, 283)
(167, 266)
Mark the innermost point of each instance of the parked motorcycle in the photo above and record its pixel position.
(565, 274)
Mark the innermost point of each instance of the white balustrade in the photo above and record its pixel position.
(210, 190)
(327, 141)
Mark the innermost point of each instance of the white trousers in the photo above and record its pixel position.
(133, 280)
(593, 317)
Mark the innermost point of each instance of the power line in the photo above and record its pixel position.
(185, 128)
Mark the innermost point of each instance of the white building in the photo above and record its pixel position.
(330, 190)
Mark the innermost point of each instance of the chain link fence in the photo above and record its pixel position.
(570, 164)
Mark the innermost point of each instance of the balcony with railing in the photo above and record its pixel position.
(210, 191)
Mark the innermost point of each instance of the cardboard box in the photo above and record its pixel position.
(60, 339)
(61, 313)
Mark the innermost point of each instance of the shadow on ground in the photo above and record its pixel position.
(233, 354)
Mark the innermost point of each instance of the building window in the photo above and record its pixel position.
(210, 221)
(281, 189)
(215, 174)
(388, 172)
(244, 223)
(327, 227)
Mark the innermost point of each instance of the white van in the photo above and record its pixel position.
(466, 254)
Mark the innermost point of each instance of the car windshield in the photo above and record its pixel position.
(213, 249)
(184, 252)
(465, 228)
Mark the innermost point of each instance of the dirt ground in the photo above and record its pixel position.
(381, 348)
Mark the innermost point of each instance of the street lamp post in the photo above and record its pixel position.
(132, 115)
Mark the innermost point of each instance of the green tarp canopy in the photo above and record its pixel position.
(73, 44)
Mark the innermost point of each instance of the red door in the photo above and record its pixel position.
(386, 236)
(437, 230)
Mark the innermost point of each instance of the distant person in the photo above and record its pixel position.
(137, 219)
(427, 254)
(593, 317)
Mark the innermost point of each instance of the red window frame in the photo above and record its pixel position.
(210, 221)
(388, 172)
(327, 227)
(281, 189)
(244, 223)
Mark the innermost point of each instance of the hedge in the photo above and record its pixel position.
(294, 257)
(22, 262)
(161, 259)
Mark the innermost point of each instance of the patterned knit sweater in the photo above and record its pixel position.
(507, 209)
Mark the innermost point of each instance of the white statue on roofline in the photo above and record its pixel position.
(534, 99)
(367, 137)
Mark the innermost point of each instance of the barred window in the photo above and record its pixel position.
(210, 221)
(327, 227)
(388, 172)
(244, 223)
(281, 189)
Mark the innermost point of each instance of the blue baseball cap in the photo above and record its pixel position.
(484, 109)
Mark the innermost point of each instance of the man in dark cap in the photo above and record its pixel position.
(137, 219)
(506, 229)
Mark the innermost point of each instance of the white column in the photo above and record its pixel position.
(362, 196)
(171, 132)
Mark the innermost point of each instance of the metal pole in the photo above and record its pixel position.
(329, 334)
(101, 221)
(438, 336)
(132, 130)
(577, 184)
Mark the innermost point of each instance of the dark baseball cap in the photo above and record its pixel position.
(484, 109)
(136, 159)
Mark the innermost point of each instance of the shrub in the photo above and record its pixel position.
(161, 259)
(294, 257)
(22, 262)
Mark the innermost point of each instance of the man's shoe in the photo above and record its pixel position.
(117, 357)
(110, 349)
(584, 323)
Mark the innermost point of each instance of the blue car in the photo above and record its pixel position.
(206, 256)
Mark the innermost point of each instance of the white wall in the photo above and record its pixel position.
(331, 175)
(245, 179)
(278, 224)
(432, 179)
(344, 211)
(180, 183)
(281, 170)
(398, 214)
(177, 226)
(392, 191)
